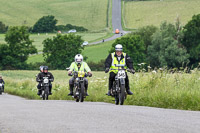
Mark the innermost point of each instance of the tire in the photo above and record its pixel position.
(77, 100)
(122, 94)
(46, 93)
(1, 90)
(82, 93)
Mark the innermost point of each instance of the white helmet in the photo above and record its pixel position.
(78, 58)
(118, 47)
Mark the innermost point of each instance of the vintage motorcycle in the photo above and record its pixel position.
(79, 85)
(45, 88)
(1, 88)
(118, 90)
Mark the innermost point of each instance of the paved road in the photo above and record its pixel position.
(19, 115)
(116, 21)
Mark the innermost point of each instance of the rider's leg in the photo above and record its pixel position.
(127, 86)
(111, 79)
(39, 89)
(86, 86)
(50, 87)
(71, 86)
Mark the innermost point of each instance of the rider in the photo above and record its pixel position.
(44, 73)
(78, 65)
(118, 57)
(2, 82)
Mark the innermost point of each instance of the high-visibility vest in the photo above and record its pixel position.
(84, 67)
(115, 62)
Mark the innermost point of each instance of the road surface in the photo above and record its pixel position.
(19, 115)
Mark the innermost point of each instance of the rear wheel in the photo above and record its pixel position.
(116, 99)
(122, 94)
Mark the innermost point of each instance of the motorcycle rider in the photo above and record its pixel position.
(118, 57)
(2, 82)
(78, 65)
(44, 73)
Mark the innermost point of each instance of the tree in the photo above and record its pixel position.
(191, 39)
(17, 50)
(3, 27)
(61, 50)
(165, 49)
(146, 34)
(45, 24)
(133, 45)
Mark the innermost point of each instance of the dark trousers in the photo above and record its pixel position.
(112, 78)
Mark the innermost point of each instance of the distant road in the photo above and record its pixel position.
(19, 115)
(116, 21)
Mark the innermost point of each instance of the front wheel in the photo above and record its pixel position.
(122, 94)
(82, 93)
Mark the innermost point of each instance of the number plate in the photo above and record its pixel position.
(1, 85)
(121, 74)
(46, 81)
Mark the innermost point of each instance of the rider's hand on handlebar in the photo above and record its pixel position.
(132, 71)
(107, 70)
(89, 74)
(70, 73)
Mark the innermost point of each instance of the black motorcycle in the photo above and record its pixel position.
(1, 88)
(118, 90)
(79, 85)
(45, 88)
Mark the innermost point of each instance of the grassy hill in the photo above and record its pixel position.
(142, 13)
(91, 14)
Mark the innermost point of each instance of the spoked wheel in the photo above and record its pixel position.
(122, 94)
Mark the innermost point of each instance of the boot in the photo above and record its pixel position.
(71, 90)
(129, 91)
(86, 88)
(109, 92)
(50, 91)
(39, 92)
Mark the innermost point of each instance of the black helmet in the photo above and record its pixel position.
(45, 68)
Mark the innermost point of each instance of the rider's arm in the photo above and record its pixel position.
(71, 66)
(129, 62)
(51, 77)
(38, 79)
(108, 61)
(87, 68)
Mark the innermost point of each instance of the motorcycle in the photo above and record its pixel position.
(1, 88)
(118, 90)
(79, 85)
(45, 88)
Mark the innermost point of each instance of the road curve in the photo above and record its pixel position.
(116, 21)
(19, 115)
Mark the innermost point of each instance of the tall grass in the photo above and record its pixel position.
(143, 13)
(164, 90)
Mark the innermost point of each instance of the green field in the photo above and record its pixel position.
(91, 14)
(143, 13)
(178, 90)
(38, 39)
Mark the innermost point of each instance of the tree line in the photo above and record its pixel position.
(46, 24)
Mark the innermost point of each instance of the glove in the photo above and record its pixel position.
(89, 74)
(132, 71)
(69, 73)
(107, 70)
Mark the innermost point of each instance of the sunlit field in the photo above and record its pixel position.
(142, 13)
(178, 90)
